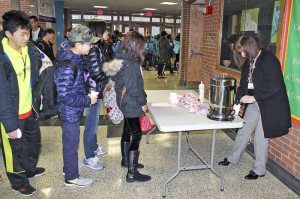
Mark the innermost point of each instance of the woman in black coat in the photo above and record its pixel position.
(132, 100)
(268, 112)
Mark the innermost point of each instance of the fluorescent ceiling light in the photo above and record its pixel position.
(168, 3)
(100, 7)
(149, 9)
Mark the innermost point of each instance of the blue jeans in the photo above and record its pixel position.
(91, 129)
(70, 139)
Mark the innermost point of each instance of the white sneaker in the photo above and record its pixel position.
(93, 163)
(100, 151)
(79, 182)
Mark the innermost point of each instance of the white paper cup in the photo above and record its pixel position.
(94, 93)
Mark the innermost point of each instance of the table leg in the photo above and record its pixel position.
(212, 158)
(147, 135)
(164, 188)
(187, 134)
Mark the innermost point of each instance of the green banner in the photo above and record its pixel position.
(292, 61)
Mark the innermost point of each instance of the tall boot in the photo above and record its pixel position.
(133, 174)
(124, 152)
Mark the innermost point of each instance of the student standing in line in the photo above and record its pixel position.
(95, 81)
(20, 132)
(132, 100)
(268, 112)
(72, 98)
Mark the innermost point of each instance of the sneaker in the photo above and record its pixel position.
(39, 171)
(93, 163)
(27, 190)
(100, 151)
(79, 182)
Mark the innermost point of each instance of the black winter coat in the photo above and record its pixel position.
(93, 66)
(270, 94)
(9, 88)
(126, 73)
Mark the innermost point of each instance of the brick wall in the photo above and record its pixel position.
(285, 151)
(24, 6)
(5, 6)
(185, 20)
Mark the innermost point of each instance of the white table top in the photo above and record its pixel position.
(174, 119)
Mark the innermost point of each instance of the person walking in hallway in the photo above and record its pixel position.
(20, 132)
(46, 43)
(163, 52)
(132, 100)
(268, 113)
(36, 31)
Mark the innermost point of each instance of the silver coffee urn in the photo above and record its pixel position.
(222, 98)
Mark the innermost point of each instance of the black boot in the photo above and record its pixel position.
(133, 174)
(124, 152)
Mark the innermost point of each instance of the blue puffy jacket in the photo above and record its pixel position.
(71, 93)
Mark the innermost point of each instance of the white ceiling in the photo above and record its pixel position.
(135, 6)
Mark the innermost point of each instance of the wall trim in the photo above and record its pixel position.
(280, 173)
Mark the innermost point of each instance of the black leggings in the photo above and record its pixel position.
(132, 129)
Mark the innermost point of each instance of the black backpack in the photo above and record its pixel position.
(45, 93)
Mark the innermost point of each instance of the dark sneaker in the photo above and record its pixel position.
(39, 171)
(27, 190)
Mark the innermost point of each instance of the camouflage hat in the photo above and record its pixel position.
(81, 33)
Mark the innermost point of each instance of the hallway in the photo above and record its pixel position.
(159, 158)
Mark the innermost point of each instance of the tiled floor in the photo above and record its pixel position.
(159, 158)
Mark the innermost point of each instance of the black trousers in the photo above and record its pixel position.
(21, 155)
(132, 133)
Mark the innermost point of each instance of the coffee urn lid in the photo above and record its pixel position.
(223, 80)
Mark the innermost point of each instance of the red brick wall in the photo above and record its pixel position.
(285, 150)
(24, 6)
(4, 6)
(185, 20)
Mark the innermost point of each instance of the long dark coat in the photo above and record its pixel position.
(270, 94)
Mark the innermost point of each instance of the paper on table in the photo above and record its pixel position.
(161, 104)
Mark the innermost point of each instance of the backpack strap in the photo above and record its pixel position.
(67, 63)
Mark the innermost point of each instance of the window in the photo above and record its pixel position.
(115, 18)
(154, 19)
(125, 18)
(169, 20)
(155, 30)
(178, 21)
(141, 30)
(101, 17)
(255, 17)
(143, 19)
(76, 16)
(75, 24)
(168, 30)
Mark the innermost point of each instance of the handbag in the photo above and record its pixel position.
(146, 124)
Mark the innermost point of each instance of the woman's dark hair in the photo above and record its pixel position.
(249, 45)
(97, 28)
(14, 19)
(163, 33)
(48, 30)
(134, 44)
